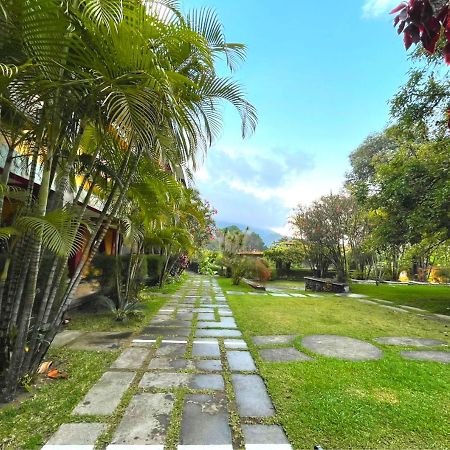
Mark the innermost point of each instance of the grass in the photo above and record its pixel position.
(391, 403)
(28, 424)
(105, 321)
(435, 299)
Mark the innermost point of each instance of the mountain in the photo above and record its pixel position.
(268, 236)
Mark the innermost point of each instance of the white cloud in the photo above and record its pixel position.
(375, 8)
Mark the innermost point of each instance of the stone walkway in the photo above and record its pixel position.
(188, 382)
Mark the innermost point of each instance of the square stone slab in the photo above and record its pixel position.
(268, 437)
(174, 380)
(273, 340)
(172, 350)
(76, 434)
(65, 337)
(105, 395)
(240, 361)
(205, 423)
(210, 365)
(206, 348)
(206, 316)
(145, 420)
(98, 340)
(166, 331)
(283, 355)
(174, 323)
(235, 344)
(131, 358)
(170, 364)
(218, 333)
(251, 396)
(215, 324)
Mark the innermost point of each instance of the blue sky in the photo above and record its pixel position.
(320, 75)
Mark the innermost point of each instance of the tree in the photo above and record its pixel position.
(325, 227)
(286, 253)
(104, 92)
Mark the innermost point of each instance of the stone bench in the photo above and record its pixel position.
(324, 285)
(254, 284)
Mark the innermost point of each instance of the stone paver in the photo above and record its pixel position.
(145, 420)
(169, 349)
(251, 396)
(284, 354)
(168, 358)
(77, 434)
(218, 333)
(341, 347)
(99, 340)
(206, 348)
(273, 340)
(240, 361)
(265, 437)
(65, 337)
(205, 422)
(178, 379)
(427, 355)
(105, 395)
(131, 358)
(409, 341)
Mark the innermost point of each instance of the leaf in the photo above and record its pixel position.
(398, 8)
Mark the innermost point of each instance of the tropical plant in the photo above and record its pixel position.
(96, 98)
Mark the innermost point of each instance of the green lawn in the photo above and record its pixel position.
(27, 424)
(105, 321)
(435, 299)
(392, 403)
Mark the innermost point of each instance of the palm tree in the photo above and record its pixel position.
(99, 91)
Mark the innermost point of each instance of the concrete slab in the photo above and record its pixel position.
(170, 364)
(393, 308)
(427, 355)
(206, 348)
(298, 295)
(409, 341)
(145, 421)
(251, 396)
(442, 317)
(273, 340)
(235, 344)
(77, 434)
(206, 316)
(66, 337)
(218, 333)
(368, 302)
(283, 355)
(342, 347)
(210, 381)
(210, 365)
(240, 361)
(131, 358)
(171, 350)
(270, 437)
(100, 341)
(105, 395)
(165, 380)
(279, 294)
(170, 380)
(226, 322)
(174, 323)
(166, 331)
(205, 422)
(412, 308)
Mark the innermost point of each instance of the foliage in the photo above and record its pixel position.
(286, 253)
(107, 106)
(208, 262)
(424, 21)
